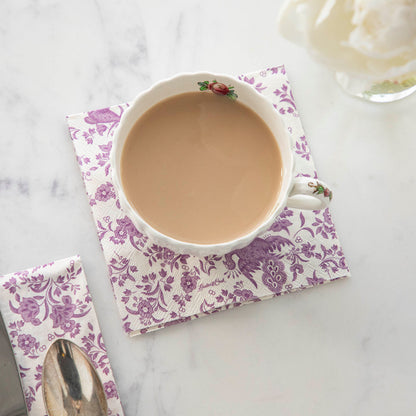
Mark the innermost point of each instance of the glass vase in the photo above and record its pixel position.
(380, 91)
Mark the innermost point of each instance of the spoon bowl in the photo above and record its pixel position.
(70, 383)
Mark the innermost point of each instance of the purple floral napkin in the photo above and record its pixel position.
(43, 304)
(155, 287)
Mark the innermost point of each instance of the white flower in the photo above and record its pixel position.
(375, 38)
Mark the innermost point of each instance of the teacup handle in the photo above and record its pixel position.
(309, 193)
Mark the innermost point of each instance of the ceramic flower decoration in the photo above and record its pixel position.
(371, 44)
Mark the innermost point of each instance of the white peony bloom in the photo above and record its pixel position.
(372, 38)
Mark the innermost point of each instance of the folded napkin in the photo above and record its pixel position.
(155, 287)
(43, 304)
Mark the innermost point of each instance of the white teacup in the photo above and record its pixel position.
(299, 192)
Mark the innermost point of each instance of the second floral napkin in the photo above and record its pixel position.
(155, 287)
(46, 303)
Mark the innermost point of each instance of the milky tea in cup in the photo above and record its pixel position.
(201, 167)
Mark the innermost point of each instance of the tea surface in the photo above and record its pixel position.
(201, 168)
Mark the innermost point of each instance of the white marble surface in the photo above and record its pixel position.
(344, 349)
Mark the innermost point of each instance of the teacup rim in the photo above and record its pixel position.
(179, 245)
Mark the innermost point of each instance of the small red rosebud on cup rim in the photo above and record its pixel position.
(326, 192)
(218, 88)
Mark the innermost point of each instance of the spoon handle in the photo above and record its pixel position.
(69, 370)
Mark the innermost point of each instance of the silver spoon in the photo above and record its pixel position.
(70, 384)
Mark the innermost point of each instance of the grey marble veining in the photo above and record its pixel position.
(343, 349)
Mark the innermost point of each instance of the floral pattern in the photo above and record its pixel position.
(105, 192)
(320, 189)
(155, 287)
(218, 88)
(43, 304)
(274, 276)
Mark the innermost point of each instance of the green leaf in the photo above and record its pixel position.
(203, 88)
(232, 95)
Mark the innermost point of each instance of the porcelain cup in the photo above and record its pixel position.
(296, 192)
